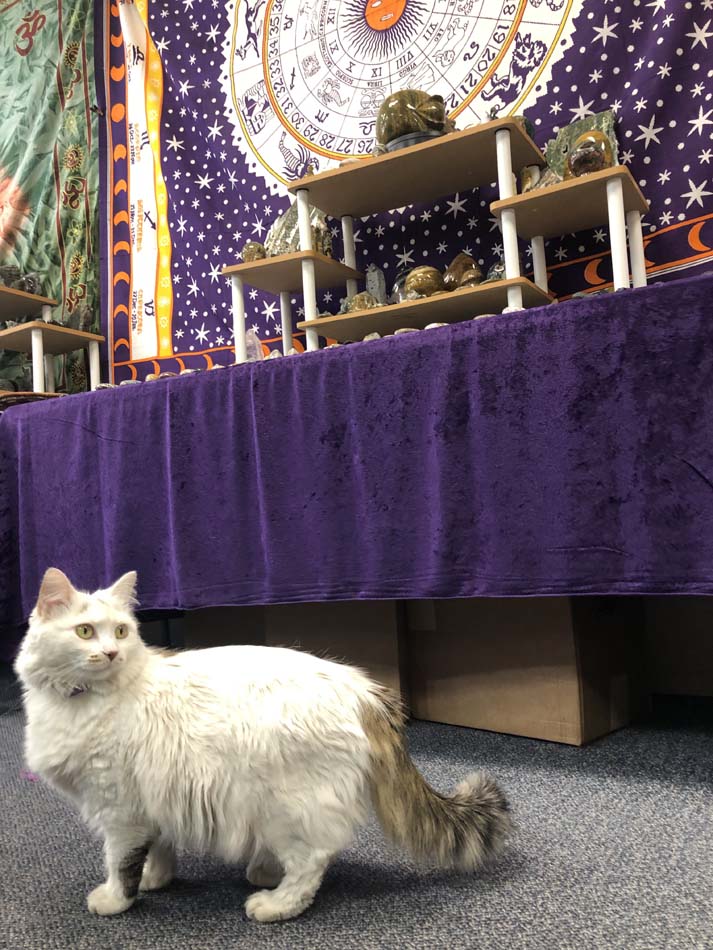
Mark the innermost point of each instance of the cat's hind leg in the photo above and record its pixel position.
(264, 870)
(160, 866)
(304, 869)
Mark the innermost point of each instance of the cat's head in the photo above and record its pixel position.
(77, 641)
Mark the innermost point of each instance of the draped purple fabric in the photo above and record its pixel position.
(562, 450)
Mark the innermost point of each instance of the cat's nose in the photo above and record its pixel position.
(111, 654)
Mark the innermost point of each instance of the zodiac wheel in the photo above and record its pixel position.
(303, 84)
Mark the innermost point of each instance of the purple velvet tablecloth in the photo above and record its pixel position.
(562, 450)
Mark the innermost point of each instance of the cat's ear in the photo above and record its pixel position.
(56, 594)
(124, 590)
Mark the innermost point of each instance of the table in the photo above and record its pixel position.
(45, 340)
(561, 450)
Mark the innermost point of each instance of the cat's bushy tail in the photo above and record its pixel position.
(461, 830)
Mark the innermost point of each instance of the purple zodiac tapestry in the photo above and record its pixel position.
(213, 107)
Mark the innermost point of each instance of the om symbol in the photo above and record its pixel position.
(73, 190)
(76, 293)
(28, 29)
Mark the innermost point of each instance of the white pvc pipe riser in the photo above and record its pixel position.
(241, 347)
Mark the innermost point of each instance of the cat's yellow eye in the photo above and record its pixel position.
(121, 632)
(85, 631)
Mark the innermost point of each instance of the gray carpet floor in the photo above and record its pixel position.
(614, 849)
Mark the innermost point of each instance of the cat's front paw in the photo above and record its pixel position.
(266, 906)
(105, 901)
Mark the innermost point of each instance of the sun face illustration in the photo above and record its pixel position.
(378, 28)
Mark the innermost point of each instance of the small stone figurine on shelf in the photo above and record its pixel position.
(407, 118)
(591, 152)
(423, 282)
(585, 146)
(376, 283)
(463, 271)
(284, 235)
(253, 251)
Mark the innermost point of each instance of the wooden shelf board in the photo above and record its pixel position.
(32, 396)
(284, 273)
(17, 303)
(55, 340)
(455, 162)
(570, 206)
(445, 308)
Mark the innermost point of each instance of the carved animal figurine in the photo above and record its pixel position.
(461, 264)
(471, 277)
(362, 301)
(407, 112)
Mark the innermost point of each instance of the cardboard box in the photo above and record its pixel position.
(679, 645)
(219, 626)
(368, 634)
(551, 668)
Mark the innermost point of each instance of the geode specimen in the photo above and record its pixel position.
(557, 150)
(496, 271)
(284, 235)
(591, 152)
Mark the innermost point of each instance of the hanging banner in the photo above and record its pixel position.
(49, 171)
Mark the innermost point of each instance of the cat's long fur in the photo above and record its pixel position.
(247, 752)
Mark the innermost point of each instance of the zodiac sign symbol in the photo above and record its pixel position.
(253, 28)
(528, 54)
(329, 92)
(299, 165)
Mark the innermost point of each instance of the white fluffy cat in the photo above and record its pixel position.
(255, 753)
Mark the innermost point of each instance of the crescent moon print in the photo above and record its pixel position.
(591, 274)
(694, 237)
(378, 28)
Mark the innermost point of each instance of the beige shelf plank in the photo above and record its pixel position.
(454, 162)
(56, 340)
(18, 303)
(445, 308)
(571, 206)
(284, 273)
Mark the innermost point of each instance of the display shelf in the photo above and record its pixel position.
(570, 206)
(284, 273)
(17, 303)
(56, 340)
(457, 161)
(45, 340)
(610, 197)
(444, 308)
